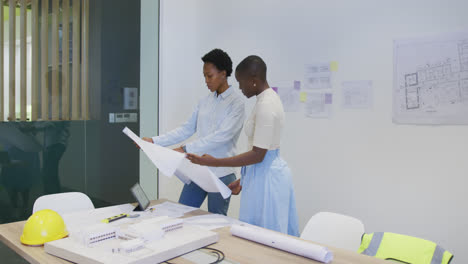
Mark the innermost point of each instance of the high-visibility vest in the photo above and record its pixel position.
(405, 249)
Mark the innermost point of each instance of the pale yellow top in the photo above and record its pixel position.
(264, 126)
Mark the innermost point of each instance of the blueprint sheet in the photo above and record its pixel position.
(431, 80)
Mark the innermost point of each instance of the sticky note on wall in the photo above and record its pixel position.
(328, 98)
(303, 97)
(297, 85)
(334, 66)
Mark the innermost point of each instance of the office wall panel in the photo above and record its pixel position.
(400, 178)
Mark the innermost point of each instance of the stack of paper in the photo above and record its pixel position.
(211, 221)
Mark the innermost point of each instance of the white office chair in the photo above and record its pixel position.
(63, 203)
(335, 230)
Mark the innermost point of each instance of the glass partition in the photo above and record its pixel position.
(54, 138)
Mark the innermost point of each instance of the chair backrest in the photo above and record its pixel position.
(334, 229)
(63, 203)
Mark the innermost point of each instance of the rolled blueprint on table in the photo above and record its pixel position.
(283, 242)
(171, 162)
(165, 159)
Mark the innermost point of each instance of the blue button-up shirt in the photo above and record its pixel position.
(217, 120)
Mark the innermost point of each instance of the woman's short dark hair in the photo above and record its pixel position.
(253, 66)
(220, 59)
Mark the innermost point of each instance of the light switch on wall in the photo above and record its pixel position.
(123, 117)
(130, 98)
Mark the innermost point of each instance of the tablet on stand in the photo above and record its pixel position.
(140, 196)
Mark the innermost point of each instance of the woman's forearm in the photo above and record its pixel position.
(253, 156)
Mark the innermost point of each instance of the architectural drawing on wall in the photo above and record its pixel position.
(318, 105)
(317, 76)
(357, 95)
(289, 94)
(431, 80)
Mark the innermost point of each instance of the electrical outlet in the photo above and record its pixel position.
(123, 117)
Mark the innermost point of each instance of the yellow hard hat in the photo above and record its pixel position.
(43, 226)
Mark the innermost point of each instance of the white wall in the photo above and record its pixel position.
(398, 178)
(149, 59)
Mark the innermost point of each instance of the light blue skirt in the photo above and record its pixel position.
(267, 198)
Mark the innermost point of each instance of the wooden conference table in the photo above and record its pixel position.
(235, 249)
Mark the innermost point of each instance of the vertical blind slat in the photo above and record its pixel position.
(76, 61)
(55, 61)
(34, 60)
(2, 99)
(23, 66)
(65, 60)
(84, 60)
(12, 51)
(44, 61)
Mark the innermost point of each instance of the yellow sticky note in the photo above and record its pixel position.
(334, 66)
(303, 97)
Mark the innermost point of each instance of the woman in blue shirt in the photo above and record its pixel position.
(217, 120)
(267, 189)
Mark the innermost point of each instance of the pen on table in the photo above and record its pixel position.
(114, 218)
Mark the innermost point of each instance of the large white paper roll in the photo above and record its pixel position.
(279, 241)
